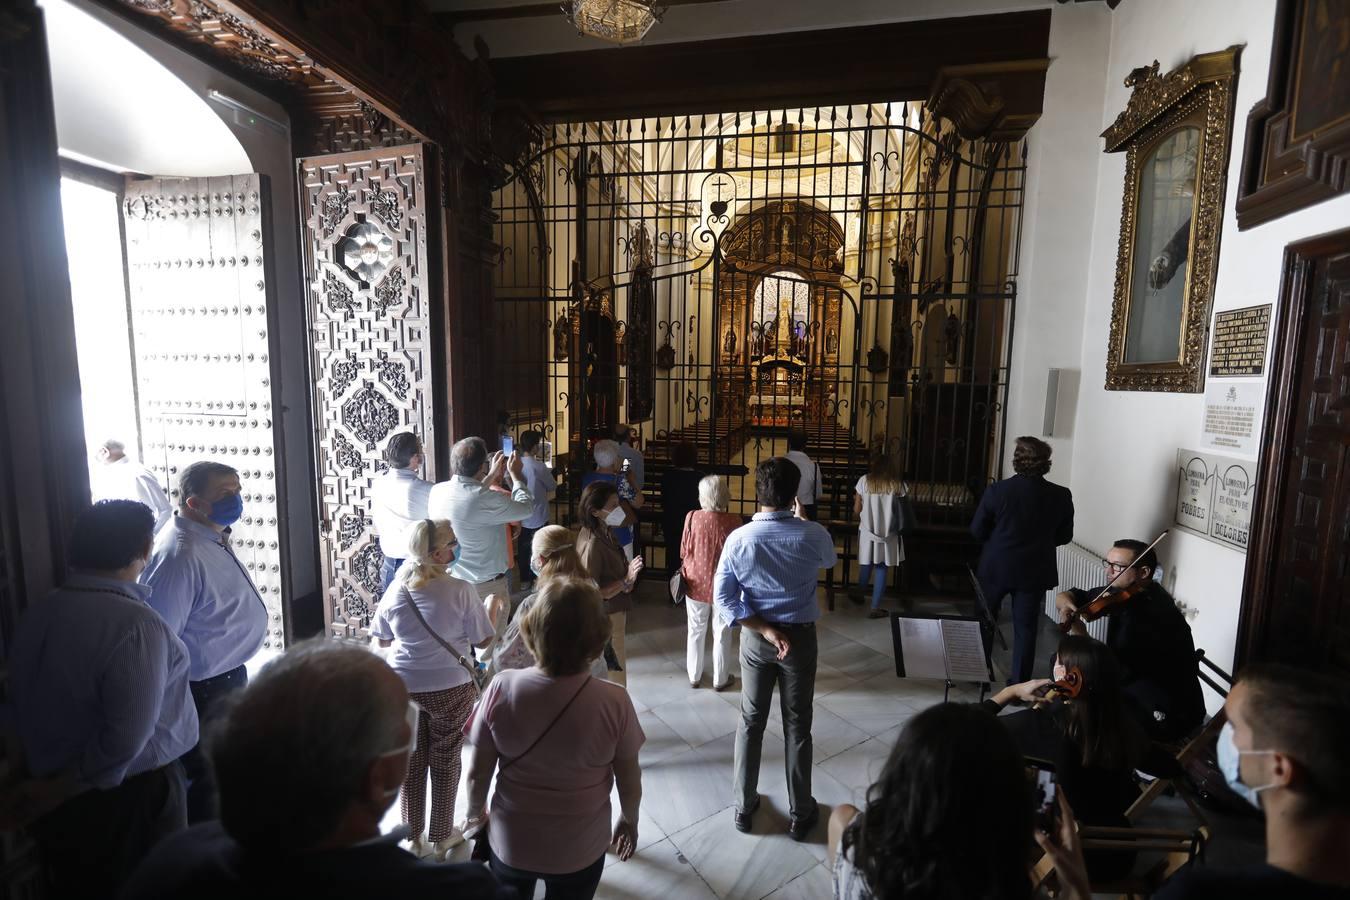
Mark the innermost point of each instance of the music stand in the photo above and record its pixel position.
(940, 649)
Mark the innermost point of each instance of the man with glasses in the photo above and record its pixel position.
(1151, 640)
(308, 760)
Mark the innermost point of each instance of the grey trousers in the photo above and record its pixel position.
(795, 676)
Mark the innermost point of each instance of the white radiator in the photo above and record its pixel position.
(1079, 567)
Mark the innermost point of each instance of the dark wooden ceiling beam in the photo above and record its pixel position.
(897, 61)
(451, 18)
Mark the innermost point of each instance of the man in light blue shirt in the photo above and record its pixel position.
(766, 580)
(480, 515)
(398, 500)
(539, 479)
(207, 598)
(99, 685)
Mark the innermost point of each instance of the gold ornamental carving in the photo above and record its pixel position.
(1176, 130)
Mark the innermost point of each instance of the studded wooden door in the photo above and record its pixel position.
(365, 259)
(197, 270)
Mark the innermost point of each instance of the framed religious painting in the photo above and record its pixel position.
(1297, 151)
(1175, 132)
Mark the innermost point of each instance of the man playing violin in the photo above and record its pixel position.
(1151, 640)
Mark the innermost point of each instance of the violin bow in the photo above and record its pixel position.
(1138, 556)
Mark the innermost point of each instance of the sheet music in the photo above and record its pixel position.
(964, 648)
(921, 644)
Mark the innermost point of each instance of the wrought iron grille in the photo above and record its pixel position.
(849, 272)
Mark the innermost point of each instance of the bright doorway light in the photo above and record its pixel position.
(102, 334)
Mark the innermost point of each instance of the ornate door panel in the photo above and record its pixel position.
(197, 274)
(365, 258)
(1297, 600)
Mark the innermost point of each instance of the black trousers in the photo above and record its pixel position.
(93, 842)
(523, 552)
(1026, 612)
(209, 697)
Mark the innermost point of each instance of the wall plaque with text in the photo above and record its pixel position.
(1214, 497)
(1240, 342)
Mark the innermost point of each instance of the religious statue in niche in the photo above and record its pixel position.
(831, 341)
(902, 263)
(951, 333)
(561, 333)
(729, 343)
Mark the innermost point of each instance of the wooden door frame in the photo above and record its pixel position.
(1277, 435)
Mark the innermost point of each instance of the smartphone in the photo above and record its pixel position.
(508, 445)
(1045, 794)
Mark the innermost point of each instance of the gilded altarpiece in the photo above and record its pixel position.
(365, 267)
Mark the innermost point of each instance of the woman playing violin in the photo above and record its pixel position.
(1151, 640)
(1079, 723)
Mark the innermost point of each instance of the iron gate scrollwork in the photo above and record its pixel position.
(365, 257)
(849, 272)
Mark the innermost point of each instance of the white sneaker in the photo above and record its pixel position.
(419, 848)
(443, 847)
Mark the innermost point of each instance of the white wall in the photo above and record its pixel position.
(1122, 451)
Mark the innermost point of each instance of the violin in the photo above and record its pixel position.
(1108, 601)
(1067, 688)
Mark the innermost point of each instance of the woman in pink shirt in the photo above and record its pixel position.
(705, 531)
(558, 741)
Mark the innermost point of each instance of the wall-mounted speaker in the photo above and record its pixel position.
(1051, 403)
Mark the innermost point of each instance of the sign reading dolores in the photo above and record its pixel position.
(1240, 342)
(1214, 496)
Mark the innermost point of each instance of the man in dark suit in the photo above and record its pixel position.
(1021, 521)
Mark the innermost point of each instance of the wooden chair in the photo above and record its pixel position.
(1175, 776)
(1166, 851)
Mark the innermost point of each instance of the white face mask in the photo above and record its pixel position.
(1230, 763)
(614, 518)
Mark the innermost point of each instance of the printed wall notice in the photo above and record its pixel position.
(1232, 415)
(1240, 342)
(1214, 497)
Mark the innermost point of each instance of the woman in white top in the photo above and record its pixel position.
(422, 611)
(553, 554)
(879, 544)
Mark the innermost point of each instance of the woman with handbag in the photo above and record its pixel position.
(877, 503)
(604, 558)
(705, 532)
(432, 620)
(558, 740)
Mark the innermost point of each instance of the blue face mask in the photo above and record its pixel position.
(227, 510)
(1230, 763)
(534, 567)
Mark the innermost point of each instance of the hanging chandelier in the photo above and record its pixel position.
(616, 21)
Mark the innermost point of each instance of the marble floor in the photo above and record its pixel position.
(688, 848)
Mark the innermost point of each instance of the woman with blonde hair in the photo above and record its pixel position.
(705, 532)
(879, 545)
(553, 554)
(558, 741)
(433, 620)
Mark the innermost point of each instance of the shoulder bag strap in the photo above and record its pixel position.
(544, 733)
(819, 491)
(407, 598)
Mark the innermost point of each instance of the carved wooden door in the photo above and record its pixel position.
(197, 273)
(365, 259)
(1297, 599)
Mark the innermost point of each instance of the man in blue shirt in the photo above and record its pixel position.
(99, 686)
(766, 580)
(207, 598)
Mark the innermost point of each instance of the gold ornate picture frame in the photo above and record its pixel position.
(1176, 131)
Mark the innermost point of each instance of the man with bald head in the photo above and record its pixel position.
(307, 760)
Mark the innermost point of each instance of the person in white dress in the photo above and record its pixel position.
(877, 504)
